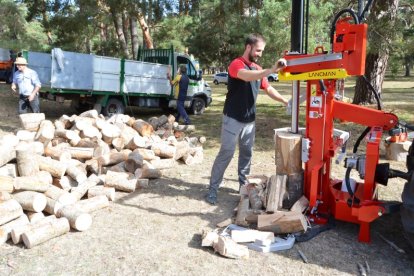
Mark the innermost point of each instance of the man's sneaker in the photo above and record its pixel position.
(211, 197)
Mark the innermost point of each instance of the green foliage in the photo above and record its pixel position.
(173, 30)
(16, 32)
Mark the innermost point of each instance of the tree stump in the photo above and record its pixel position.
(288, 152)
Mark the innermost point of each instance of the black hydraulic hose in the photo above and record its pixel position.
(363, 134)
(337, 16)
(348, 182)
(307, 27)
(377, 98)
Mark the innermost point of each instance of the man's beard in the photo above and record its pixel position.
(252, 58)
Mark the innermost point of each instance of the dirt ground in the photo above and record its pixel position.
(157, 231)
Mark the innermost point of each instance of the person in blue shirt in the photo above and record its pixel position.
(181, 82)
(29, 85)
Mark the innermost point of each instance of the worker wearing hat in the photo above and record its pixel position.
(29, 85)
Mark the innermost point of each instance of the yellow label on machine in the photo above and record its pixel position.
(314, 75)
(313, 90)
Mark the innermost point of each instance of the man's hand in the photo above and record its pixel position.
(279, 65)
(31, 97)
(13, 87)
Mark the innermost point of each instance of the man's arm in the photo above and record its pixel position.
(252, 75)
(272, 93)
(37, 84)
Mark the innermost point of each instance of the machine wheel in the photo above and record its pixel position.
(198, 106)
(113, 106)
(407, 210)
(216, 82)
(270, 79)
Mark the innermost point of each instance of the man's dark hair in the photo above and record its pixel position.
(183, 69)
(252, 39)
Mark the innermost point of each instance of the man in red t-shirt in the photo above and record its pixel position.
(239, 113)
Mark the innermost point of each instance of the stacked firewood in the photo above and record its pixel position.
(68, 168)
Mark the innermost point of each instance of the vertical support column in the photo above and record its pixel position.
(295, 106)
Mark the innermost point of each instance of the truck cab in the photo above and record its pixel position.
(199, 92)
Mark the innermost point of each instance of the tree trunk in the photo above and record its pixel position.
(408, 64)
(381, 22)
(117, 18)
(133, 28)
(145, 32)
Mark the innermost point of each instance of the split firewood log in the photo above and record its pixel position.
(39, 182)
(78, 219)
(46, 131)
(109, 192)
(112, 158)
(6, 184)
(9, 170)
(45, 232)
(91, 132)
(92, 204)
(143, 128)
(58, 153)
(64, 120)
(10, 140)
(127, 134)
(4, 196)
(120, 167)
(54, 167)
(149, 171)
(35, 216)
(109, 132)
(137, 141)
(90, 114)
(70, 135)
(83, 187)
(27, 164)
(81, 153)
(5, 229)
(62, 196)
(25, 135)
(89, 143)
(31, 121)
(166, 163)
(182, 148)
(9, 210)
(76, 172)
(65, 182)
(225, 246)
(163, 150)
(146, 154)
(52, 206)
(120, 181)
(7, 153)
(102, 149)
(92, 166)
(31, 201)
(16, 233)
(134, 161)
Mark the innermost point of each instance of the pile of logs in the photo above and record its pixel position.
(54, 174)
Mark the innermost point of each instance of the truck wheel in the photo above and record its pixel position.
(407, 210)
(198, 106)
(216, 82)
(113, 106)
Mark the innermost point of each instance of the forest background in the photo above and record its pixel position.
(211, 30)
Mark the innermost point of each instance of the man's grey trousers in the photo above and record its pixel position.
(233, 132)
